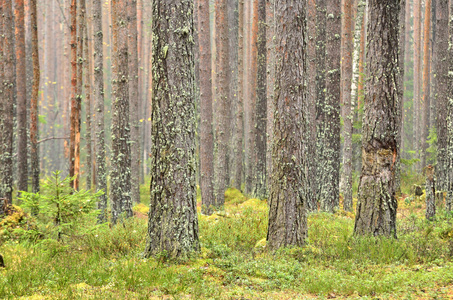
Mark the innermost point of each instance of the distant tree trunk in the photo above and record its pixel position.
(448, 161)
(376, 206)
(260, 188)
(270, 21)
(206, 136)
(98, 56)
(430, 191)
(329, 134)
(426, 82)
(120, 188)
(237, 171)
(417, 66)
(406, 78)
(75, 103)
(287, 213)
(134, 101)
(442, 85)
(311, 100)
(21, 88)
(223, 106)
(173, 224)
(321, 20)
(6, 107)
(87, 66)
(34, 154)
(347, 107)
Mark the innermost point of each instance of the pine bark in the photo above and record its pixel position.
(417, 66)
(75, 101)
(6, 107)
(260, 182)
(376, 207)
(120, 174)
(173, 224)
(223, 105)
(270, 21)
(449, 145)
(134, 101)
(206, 135)
(87, 67)
(98, 57)
(329, 132)
(34, 154)
(287, 213)
(426, 82)
(441, 69)
(21, 96)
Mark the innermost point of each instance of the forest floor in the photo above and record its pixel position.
(99, 262)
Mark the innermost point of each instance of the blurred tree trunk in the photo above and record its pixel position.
(441, 69)
(260, 182)
(134, 101)
(88, 68)
(21, 92)
(7, 66)
(34, 130)
(348, 50)
(120, 174)
(173, 224)
(270, 56)
(376, 206)
(417, 66)
(430, 191)
(98, 56)
(329, 133)
(223, 105)
(287, 213)
(426, 82)
(206, 136)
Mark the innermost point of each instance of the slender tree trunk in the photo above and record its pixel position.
(426, 82)
(75, 103)
(134, 101)
(442, 82)
(347, 104)
(376, 206)
(270, 21)
(206, 136)
(21, 92)
(287, 213)
(34, 154)
(260, 188)
(173, 224)
(120, 174)
(329, 134)
(448, 161)
(222, 126)
(430, 191)
(87, 67)
(417, 66)
(98, 56)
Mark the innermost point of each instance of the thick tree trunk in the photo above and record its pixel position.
(376, 207)
(120, 174)
(441, 84)
(270, 56)
(6, 107)
(287, 213)
(206, 136)
(347, 104)
(329, 133)
(426, 82)
(34, 131)
(260, 182)
(21, 92)
(134, 101)
(223, 105)
(98, 56)
(173, 224)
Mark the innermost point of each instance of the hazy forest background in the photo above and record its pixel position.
(226, 149)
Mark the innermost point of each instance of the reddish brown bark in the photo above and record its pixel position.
(426, 81)
(75, 103)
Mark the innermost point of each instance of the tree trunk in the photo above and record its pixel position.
(87, 66)
(173, 224)
(75, 103)
(449, 155)
(287, 213)
(430, 191)
(260, 185)
(329, 133)
(206, 136)
(270, 21)
(426, 82)
(441, 84)
(34, 154)
(417, 66)
(376, 207)
(21, 92)
(223, 105)
(134, 101)
(347, 107)
(6, 107)
(120, 188)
